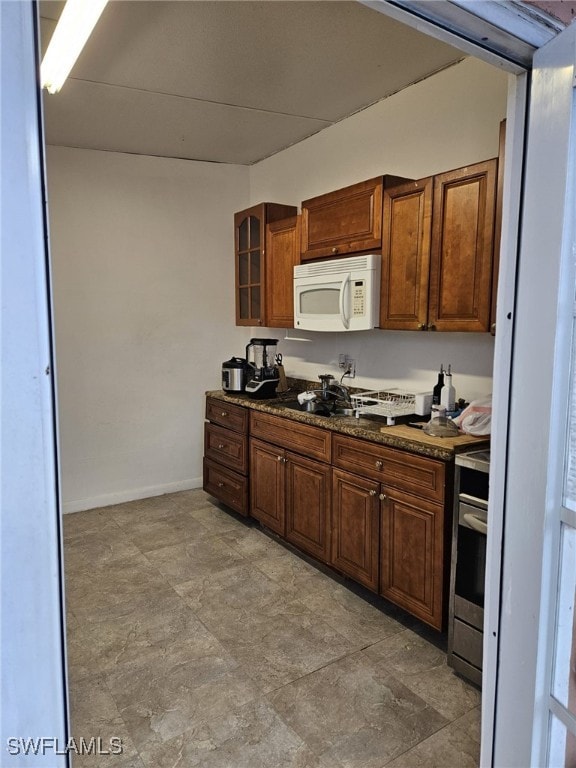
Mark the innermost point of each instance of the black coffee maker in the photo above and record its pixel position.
(262, 372)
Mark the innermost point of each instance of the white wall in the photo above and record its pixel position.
(143, 280)
(446, 121)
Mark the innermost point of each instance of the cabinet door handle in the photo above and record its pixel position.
(224, 414)
(422, 326)
(220, 484)
(334, 250)
(220, 446)
(379, 464)
(431, 327)
(282, 459)
(382, 496)
(372, 492)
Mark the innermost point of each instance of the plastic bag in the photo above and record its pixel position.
(476, 419)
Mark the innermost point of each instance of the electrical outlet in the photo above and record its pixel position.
(348, 365)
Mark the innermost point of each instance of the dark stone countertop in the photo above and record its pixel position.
(400, 436)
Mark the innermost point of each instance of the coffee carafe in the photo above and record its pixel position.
(263, 374)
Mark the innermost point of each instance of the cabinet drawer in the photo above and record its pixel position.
(232, 416)
(416, 474)
(226, 447)
(300, 438)
(227, 486)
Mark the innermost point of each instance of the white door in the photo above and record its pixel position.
(536, 623)
(33, 723)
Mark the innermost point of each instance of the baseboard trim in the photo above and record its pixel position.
(108, 499)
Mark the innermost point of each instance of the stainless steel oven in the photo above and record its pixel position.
(468, 569)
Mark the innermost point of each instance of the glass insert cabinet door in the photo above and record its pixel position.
(250, 241)
(249, 256)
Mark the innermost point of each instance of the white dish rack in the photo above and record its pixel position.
(390, 403)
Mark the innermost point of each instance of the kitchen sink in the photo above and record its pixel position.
(323, 410)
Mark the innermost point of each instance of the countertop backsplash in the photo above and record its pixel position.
(394, 359)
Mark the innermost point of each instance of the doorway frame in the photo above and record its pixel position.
(517, 101)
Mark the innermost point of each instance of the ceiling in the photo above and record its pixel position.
(235, 81)
(230, 82)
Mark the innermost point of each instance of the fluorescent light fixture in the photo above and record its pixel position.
(73, 29)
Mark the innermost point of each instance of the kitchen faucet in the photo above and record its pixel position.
(342, 393)
(333, 390)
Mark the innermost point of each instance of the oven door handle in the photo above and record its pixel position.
(475, 522)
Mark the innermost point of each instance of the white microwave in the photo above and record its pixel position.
(338, 295)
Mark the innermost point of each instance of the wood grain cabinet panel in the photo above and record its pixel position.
(282, 255)
(226, 415)
(462, 248)
(313, 442)
(412, 556)
(406, 256)
(345, 221)
(355, 527)
(226, 447)
(308, 505)
(267, 486)
(229, 487)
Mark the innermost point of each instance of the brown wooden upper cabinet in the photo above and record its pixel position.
(282, 255)
(250, 252)
(346, 221)
(437, 251)
(406, 256)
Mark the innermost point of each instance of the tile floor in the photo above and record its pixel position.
(200, 641)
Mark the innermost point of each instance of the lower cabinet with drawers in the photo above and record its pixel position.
(226, 454)
(376, 514)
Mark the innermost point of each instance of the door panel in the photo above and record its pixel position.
(282, 255)
(355, 527)
(308, 505)
(406, 256)
(267, 488)
(462, 246)
(412, 536)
